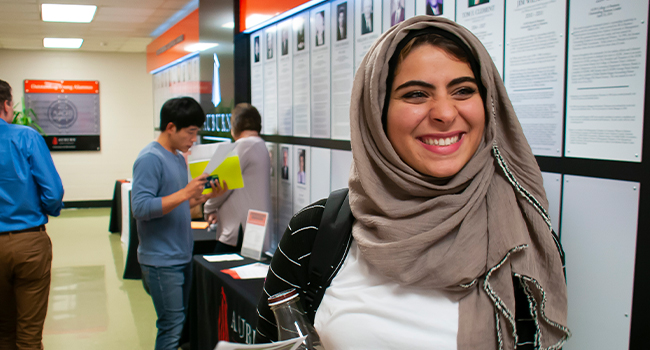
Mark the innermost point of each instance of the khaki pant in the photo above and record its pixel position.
(25, 263)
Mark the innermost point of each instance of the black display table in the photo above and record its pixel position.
(204, 243)
(115, 223)
(221, 307)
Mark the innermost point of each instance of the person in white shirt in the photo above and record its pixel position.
(231, 209)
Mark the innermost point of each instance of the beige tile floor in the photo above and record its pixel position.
(91, 306)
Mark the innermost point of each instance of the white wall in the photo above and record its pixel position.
(126, 106)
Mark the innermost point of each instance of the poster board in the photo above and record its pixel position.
(67, 111)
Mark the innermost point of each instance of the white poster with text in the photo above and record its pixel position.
(285, 187)
(342, 69)
(270, 115)
(301, 85)
(285, 78)
(257, 73)
(606, 79)
(485, 19)
(367, 27)
(320, 71)
(302, 173)
(273, 219)
(534, 70)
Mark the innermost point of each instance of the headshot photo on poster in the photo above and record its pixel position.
(302, 175)
(285, 41)
(269, 45)
(397, 12)
(342, 21)
(366, 17)
(319, 19)
(300, 37)
(434, 7)
(256, 49)
(285, 163)
(472, 3)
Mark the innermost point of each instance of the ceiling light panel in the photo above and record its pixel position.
(62, 43)
(68, 13)
(200, 47)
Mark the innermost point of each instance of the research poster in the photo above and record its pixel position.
(606, 79)
(534, 70)
(273, 189)
(320, 71)
(67, 111)
(342, 67)
(341, 162)
(270, 116)
(320, 173)
(257, 73)
(301, 81)
(367, 27)
(302, 173)
(442, 8)
(485, 19)
(396, 11)
(285, 77)
(285, 186)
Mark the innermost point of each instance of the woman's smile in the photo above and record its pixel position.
(442, 144)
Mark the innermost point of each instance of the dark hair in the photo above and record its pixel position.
(183, 112)
(5, 93)
(434, 37)
(245, 117)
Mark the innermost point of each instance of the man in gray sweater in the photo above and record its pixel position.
(231, 209)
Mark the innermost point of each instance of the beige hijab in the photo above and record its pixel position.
(471, 235)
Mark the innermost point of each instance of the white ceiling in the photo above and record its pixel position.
(119, 25)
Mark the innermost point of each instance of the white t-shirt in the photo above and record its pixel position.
(362, 309)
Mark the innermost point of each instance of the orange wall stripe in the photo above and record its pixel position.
(170, 45)
(265, 7)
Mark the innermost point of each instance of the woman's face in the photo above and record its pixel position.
(435, 115)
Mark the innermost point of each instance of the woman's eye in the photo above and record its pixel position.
(415, 94)
(465, 92)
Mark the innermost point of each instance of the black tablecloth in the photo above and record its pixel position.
(204, 243)
(221, 307)
(115, 225)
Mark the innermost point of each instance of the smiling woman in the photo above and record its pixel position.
(451, 245)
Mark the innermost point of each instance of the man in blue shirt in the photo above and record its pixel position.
(161, 199)
(30, 190)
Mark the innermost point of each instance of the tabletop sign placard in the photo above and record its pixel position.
(253, 242)
(68, 112)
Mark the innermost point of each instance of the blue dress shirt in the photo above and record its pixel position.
(30, 187)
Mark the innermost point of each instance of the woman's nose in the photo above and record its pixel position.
(443, 111)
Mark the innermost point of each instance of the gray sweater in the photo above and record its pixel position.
(165, 240)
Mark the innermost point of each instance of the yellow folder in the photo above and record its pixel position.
(229, 171)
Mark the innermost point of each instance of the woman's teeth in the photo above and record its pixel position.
(441, 142)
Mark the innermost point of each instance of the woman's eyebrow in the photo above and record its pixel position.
(461, 80)
(424, 84)
(415, 83)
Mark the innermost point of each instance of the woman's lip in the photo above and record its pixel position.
(441, 135)
(443, 150)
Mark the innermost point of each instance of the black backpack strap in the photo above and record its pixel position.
(330, 246)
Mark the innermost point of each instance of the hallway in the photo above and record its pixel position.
(91, 306)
